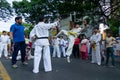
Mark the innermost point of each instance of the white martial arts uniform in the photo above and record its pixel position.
(96, 57)
(41, 30)
(102, 27)
(63, 46)
(71, 40)
(4, 45)
(56, 48)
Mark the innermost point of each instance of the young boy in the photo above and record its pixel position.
(62, 46)
(56, 48)
(4, 44)
(109, 47)
(95, 44)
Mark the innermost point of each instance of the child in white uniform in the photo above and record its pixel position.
(4, 44)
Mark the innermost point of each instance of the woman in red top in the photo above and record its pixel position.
(76, 51)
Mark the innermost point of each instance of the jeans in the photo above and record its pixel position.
(109, 54)
(19, 46)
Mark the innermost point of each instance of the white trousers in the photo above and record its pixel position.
(56, 49)
(96, 57)
(63, 51)
(70, 46)
(46, 58)
(3, 49)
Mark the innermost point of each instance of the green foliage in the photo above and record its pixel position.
(114, 20)
(30, 10)
(114, 25)
(28, 28)
(33, 9)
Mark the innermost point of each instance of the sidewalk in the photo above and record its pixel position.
(76, 70)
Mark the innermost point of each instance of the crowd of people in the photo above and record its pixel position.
(88, 43)
(83, 41)
(6, 47)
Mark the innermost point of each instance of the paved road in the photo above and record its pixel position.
(76, 70)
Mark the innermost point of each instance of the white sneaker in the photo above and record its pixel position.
(35, 72)
(14, 66)
(25, 63)
(48, 71)
(10, 57)
(99, 64)
(68, 59)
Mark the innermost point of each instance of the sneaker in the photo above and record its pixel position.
(14, 66)
(48, 71)
(35, 71)
(68, 59)
(99, 64)
(10, 57)
(25, 63)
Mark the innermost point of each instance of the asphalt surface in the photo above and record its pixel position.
(76, 70)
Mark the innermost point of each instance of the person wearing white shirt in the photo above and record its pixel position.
(4, 44)
(102, 27)
(62, 46)
(56, 48)
(72, 34)
(41, 34)
(95, 44)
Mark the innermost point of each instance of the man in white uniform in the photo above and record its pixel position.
(95, 43)
(42, 43)
(56, 48)
(72, 34)
(4, 44)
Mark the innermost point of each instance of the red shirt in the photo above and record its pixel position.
(77, 41)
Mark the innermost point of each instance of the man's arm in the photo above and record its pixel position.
(11, 35)
(12, 29)
(53, 25)
(116, 42)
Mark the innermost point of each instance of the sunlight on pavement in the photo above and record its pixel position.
(3, 73)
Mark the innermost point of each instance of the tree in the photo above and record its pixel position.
(28, 28)
(5, 10)
(31, 10)
(109, 9)
(114, 15)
